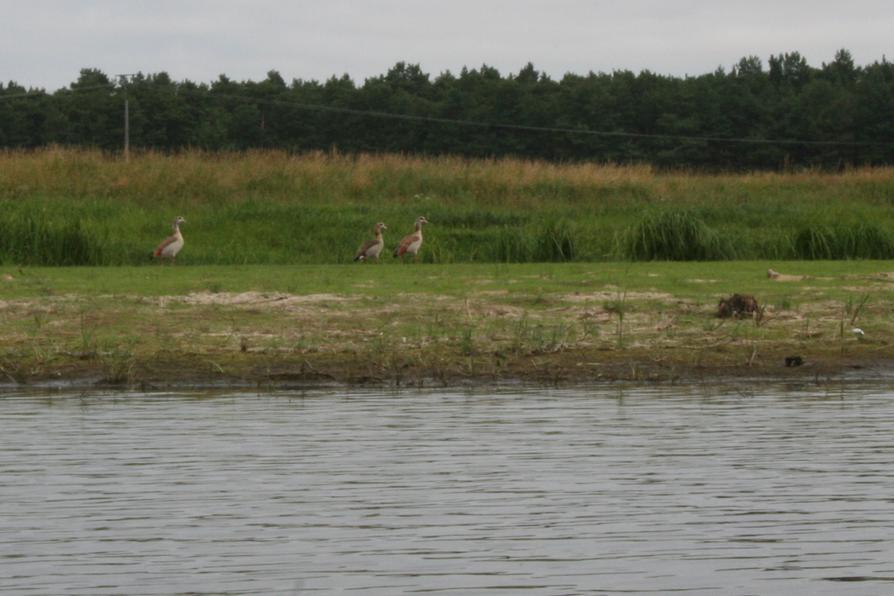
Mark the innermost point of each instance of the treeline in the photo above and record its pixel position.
(785, 115)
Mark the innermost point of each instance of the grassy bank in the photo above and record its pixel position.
(440, 324)
(67, 207)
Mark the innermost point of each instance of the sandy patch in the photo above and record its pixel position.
(776, 276)
(880, 276)
(611, 296)
(251, 299)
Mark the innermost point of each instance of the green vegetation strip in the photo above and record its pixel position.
(441, 324)
(68, 207)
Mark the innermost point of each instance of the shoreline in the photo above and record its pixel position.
(557, 372)
(444, 325)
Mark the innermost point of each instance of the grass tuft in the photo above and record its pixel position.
(855, 241)
(676, 236)
(31, 238)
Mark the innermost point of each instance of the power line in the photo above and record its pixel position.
(550, 129)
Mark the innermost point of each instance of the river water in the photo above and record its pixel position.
(603, 491)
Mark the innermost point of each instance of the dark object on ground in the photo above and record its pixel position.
(794, 361)
(736, 306)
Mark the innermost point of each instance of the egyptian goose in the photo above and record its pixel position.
(171, 245)
(371, 248)
(410, 243)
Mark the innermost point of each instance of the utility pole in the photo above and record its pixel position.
(124, 79)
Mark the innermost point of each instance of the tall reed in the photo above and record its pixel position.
(676, 236)
(844, 241)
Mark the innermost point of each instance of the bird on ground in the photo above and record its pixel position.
(861, 335)
(409, 244)
(371, 248)
(171, 245)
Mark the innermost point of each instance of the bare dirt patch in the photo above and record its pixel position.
(610, 296)
(253, 299)
(777, 276)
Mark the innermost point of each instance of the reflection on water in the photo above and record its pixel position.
(558, 492)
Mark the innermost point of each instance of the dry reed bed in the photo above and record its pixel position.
(194, 174)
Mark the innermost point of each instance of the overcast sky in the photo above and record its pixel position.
(44, 43)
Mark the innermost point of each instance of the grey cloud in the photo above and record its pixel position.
(45, 43)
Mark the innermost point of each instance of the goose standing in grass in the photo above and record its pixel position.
(371, 248)
(171, 245)
(410, 243)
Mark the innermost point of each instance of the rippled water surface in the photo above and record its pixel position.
(531, 492)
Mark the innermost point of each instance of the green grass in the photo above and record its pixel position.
(531, 282)
(67, 207)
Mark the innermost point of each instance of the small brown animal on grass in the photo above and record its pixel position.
(737, 305)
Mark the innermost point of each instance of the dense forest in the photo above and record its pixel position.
(785, 115)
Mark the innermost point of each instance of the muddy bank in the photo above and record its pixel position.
(565, 370)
